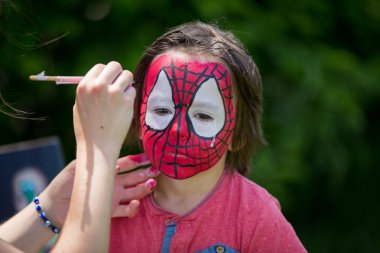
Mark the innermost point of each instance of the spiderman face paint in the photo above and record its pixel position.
(187, 115)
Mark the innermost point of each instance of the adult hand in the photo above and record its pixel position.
(104, 107)
(129, 188)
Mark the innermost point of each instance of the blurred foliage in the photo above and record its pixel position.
(320, 67)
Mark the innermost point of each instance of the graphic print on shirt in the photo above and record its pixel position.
(187, 115)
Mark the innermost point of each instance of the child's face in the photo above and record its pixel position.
(187, 114)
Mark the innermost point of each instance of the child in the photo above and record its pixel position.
(197, 113)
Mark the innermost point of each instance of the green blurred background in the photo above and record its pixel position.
(320, 64)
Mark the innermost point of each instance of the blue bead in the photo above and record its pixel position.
(36, 200)
(47, 223)
(42, 215)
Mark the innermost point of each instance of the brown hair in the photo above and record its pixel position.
(208, 39)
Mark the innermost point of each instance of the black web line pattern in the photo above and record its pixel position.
(183, 91)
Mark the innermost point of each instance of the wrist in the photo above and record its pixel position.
(49, 207)
(43, 217)
(109, 150)
(96, 164)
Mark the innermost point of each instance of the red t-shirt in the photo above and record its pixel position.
(237, 216)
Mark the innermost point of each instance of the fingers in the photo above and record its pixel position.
(131, 162)
(129, 210)
(93, 72)
(138, 191)
(132, 186)
(124, 80)
(131, 197)
(136, 177)
(109, 74)
(112, 73)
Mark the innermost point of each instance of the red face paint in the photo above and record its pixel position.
(187, 115)
(139, 158)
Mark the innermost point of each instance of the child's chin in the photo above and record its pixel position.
(178, 172)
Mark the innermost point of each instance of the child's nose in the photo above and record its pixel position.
(179, 130)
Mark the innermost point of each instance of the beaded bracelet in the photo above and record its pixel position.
(43, 216)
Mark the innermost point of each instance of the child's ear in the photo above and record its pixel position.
(140, 134)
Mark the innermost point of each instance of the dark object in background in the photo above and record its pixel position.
(26, 168)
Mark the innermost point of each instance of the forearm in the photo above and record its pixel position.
(26, 230)
(6, 247)
(88, 219)
(102, 114)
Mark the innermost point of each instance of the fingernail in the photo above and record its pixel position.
(150, 172)
(151, 183)
(139, 158)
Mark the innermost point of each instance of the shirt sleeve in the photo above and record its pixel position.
(273, 233)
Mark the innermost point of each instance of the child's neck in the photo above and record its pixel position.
(181, 196)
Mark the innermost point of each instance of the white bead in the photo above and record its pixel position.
(47, 223)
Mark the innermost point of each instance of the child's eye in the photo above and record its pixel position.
(203, 117)
(162, 111)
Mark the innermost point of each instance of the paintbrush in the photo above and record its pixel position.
(59, 79)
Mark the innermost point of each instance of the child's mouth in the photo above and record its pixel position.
(177, 155)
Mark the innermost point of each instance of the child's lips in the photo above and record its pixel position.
(177, 155)
(172, 157)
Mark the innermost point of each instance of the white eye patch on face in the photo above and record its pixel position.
(207, 115)
(160, 106)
